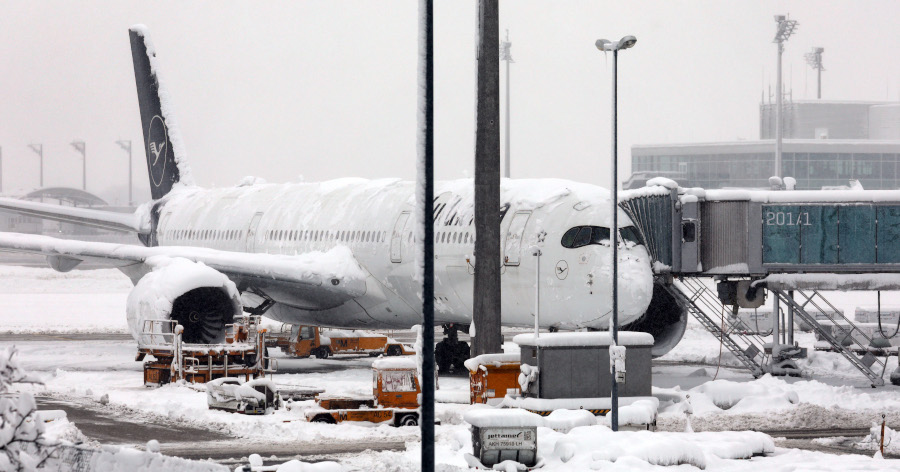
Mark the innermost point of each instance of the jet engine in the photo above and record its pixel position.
(199, 298)
(665, 318)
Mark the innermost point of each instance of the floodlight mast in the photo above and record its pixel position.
(814, 59)
(606, 45)
(81, 148)
(125, 144)
(785, 29)
(505, 55)
(39, 150)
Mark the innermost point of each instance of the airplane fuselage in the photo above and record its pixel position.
(376, 220)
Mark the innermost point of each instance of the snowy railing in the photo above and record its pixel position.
(157, 333)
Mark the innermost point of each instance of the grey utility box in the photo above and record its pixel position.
(576, 365)
(504, 434)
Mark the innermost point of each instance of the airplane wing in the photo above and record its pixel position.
(129, 222)
(313, 281)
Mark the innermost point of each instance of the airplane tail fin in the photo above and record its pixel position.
(166, 160)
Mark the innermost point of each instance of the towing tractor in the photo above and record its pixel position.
(395, 398)
(306, 341)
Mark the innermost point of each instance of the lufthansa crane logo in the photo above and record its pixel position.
(562, 270)
(157, 149)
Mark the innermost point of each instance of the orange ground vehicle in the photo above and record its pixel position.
(305, 341)
(395, 398)
(243, 354)
(492, 377)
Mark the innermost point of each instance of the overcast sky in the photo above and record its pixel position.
(325, 89)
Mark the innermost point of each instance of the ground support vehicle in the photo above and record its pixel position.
(395, 398)
(297, 393)
(306, 341)
(253, 397)
(492, 377)
(243, 354)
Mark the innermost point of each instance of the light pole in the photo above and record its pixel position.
(126, 145)
(786, 28)
(536, 251)
(605, 46)
(814, 59)
(506, 56)
(39, 150)
(80, 147)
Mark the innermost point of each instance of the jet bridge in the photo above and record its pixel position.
(745, 238)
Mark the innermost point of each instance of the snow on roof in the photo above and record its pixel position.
(502, 418)
(339, 333)
(626, 338)
(553, 404)
(832, 281)
(803, 196)
(394, 363)
(485, 359)
(646, 191)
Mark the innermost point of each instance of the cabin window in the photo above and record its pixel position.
(306, 332)
(397, 381)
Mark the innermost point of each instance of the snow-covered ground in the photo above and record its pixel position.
(831, 395)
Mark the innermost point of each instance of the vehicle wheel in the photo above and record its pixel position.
(409, 420)
(394, 351)
(442, 357)
(323, 419)
(322, 353)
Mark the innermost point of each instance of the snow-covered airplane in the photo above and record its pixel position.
(341, 253)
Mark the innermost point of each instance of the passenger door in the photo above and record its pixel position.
(397, 237)
(514, 235)
(251, 232)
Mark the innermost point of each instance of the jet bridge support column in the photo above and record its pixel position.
(783, 353)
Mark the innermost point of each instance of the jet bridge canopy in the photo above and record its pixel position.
(756, 233)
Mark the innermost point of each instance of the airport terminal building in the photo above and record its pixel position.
(826, 144)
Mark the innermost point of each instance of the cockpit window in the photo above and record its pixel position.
(581, 236)
(631, 235)
(599, 235)
(568, 239)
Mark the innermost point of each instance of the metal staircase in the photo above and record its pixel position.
(847, 328)
(700, 300)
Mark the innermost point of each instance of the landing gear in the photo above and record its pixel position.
(451, 354)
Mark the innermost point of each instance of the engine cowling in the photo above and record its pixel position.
(665, 318)
(201, 299)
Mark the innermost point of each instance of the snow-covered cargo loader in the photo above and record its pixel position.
(243, 354)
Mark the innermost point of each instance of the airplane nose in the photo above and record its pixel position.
(635, 285)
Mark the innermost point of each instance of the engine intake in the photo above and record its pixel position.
(199, 298)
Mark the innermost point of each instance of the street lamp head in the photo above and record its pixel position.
(604, 45)
(607, 45)
(626, 42)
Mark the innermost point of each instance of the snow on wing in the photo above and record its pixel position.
(322, 279)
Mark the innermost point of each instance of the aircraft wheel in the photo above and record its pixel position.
(442, 357)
